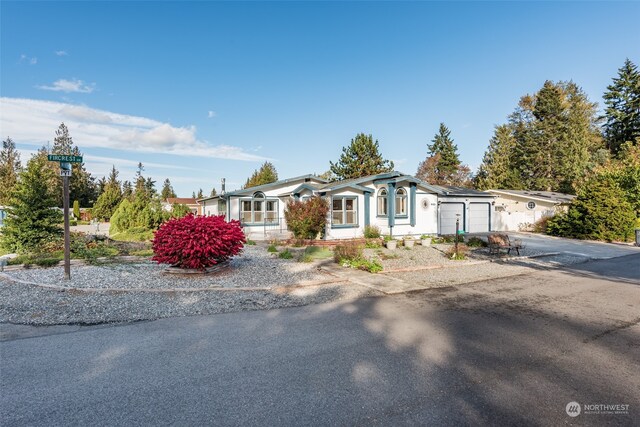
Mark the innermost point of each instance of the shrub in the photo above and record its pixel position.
(76, 209)
(197, 242)
(461, 254)
(272, 249)
(348, 251)
(250, 242)
(372, 266)
(476, 242)
(371, 232)
(178, 210)
(373, 244)
(540, 226)
(286, 254)
(600, 212)
(306, 218)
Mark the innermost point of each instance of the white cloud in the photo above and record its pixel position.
(61, 53)
(68, 86)
(31, 60)
(211, 114)
(30, 121)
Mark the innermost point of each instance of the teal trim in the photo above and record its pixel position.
(366, 208)
(344, 226)
(412, 203)
(296, 196)
(391, 203)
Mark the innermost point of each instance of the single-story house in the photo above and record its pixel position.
(191, 203)
(517, 210)
(398, 204)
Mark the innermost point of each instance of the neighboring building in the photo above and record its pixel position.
(518, 210)
(398, 204)
(191, 203)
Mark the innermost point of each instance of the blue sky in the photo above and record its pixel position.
(198, 91)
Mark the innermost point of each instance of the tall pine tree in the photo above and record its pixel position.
(82, 186)
(442, 166)
(622, 114)
(499, 168)
(111, 196)
(361, 158)
(167, 190)
(9, 169)
(265, 175)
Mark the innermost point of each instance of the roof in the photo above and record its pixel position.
(547, 196)
(394, 176)
(181, 200)
(449, 190)
(275, 184)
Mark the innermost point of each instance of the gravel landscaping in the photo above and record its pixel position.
(255, 268)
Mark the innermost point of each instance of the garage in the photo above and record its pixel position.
(447, 215)
(479, 217)
(473, 206)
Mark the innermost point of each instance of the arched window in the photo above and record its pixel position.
(259, 210)
(382, 202)
(401, 201)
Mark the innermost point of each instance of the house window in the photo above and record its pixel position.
(531, 205)
(382, 202)
(258, 210)
(344, 211)
(222, 207)
(401, 202)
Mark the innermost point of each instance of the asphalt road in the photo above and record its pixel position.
(511, 351)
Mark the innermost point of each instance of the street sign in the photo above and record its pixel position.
(63, 158)
(65, 172)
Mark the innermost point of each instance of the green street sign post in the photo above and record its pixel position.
(65, 173)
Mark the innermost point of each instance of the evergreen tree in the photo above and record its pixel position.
(32, 219)
(109, 199)
(499, 168)
(100, 186)
(167, 190)
(442, 166)
(200, 195)
(9, 169)
(265, 175)
(361, 158)
(127, 190)
(179, 210)
(82, 186)
(213, 192)
(600, 212)
(622, 114)
(76, 209)
(549, 144)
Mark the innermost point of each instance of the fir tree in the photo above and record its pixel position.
(213, 192)
(442, 166)
(32, 219)
(127, 190)
(499, 168)
(361, 158)
(109, 199)
(265, 175)
(9, 169)
(167, 190)
(200, 195)
(622, 114)
(82, 185)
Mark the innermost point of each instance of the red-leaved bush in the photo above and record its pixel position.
(197, 241)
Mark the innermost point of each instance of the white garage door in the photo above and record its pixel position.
(479, 217)
(447, 217)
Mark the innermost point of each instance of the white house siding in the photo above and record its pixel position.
(336, 232)
(511, 213)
